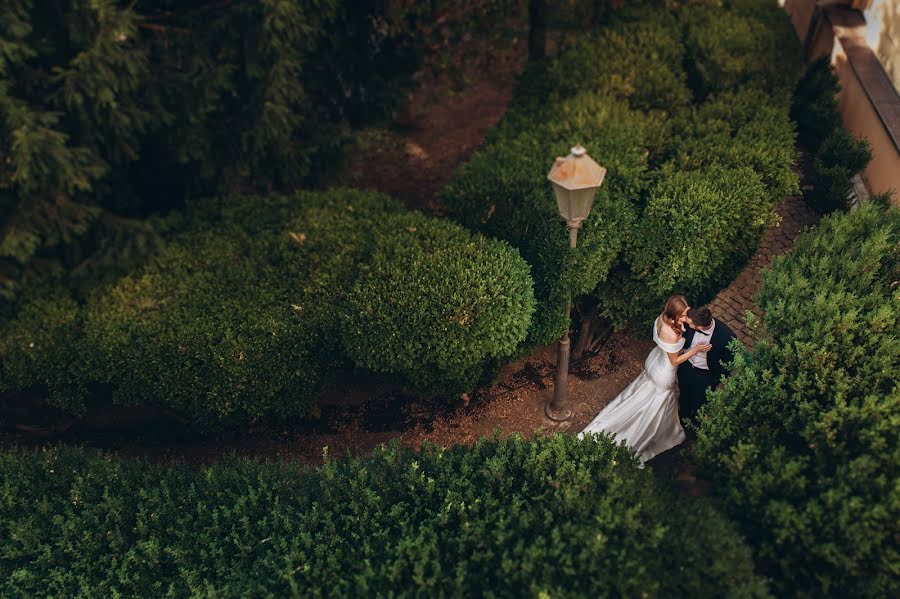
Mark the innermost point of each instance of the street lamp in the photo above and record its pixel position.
(575, 179)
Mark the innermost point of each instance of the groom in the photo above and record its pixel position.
(704, 369)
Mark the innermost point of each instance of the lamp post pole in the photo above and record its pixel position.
(557, 409)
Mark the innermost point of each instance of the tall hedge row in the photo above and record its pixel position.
(802, 442)
(255, 302)
(836, 155)
(691, 120)
(556, 516)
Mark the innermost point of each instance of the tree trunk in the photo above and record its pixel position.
(590, 325)
(537, 29)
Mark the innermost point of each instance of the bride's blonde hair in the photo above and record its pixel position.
(675, 307)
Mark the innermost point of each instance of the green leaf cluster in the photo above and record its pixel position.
(555, 516)
(113, 111)
(801, 442)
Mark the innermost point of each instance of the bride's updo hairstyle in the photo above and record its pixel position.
(675, 307)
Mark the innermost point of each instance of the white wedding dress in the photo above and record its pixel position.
(645, 414)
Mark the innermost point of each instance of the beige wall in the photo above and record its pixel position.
(857, 110)
(860, 118)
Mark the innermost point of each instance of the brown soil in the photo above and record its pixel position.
(433, 131)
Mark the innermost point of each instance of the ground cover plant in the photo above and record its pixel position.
(254, 302)
(801, 443)
(556, 516)
(692, 123)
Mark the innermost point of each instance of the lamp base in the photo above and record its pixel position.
(556, 416)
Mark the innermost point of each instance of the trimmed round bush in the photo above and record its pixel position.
(697, 231)
(437, 305)
(802, 442)
(729, 49)
(639, 62)
(556, 516)
(503, 191)
(234, 321)
(735, 130)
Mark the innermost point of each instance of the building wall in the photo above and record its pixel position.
(868, 100)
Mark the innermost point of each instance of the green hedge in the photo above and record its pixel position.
(836, 155)
(802, 443)
(696, 227)
(248, 310)
(814, 105)
(503, 192)
(624, 94)
(438, 305)
(556, 516)
(742, 46)
(44, 346)
(840, 157)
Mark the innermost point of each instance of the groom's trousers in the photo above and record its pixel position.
(692, 385)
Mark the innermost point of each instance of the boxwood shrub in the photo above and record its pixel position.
(741, 46)
(43, 346)
(697, 229)
(503, 192)
(731, 141)
(802, 443)
(239, 316)
(840, 157)
(836, 155)
(437, 304)
(556, 516)
(814, 105)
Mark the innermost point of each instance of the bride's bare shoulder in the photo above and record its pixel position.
(665, 332)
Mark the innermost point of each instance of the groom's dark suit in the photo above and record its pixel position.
(692, 381)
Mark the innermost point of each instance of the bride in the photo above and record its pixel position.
(645, 414)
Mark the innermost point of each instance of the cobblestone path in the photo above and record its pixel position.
(734, 301)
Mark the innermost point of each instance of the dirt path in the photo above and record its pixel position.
(414, 159)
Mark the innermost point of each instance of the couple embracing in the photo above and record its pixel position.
(691, 348)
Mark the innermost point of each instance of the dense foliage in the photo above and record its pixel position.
(437, 304)
(555, 516)
(692, 124)
(840, 157)
(814, 106)
(836, 155)
(254, 301)
(110, 111)
(802, 443)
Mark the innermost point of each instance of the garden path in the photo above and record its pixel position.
(733, 302)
